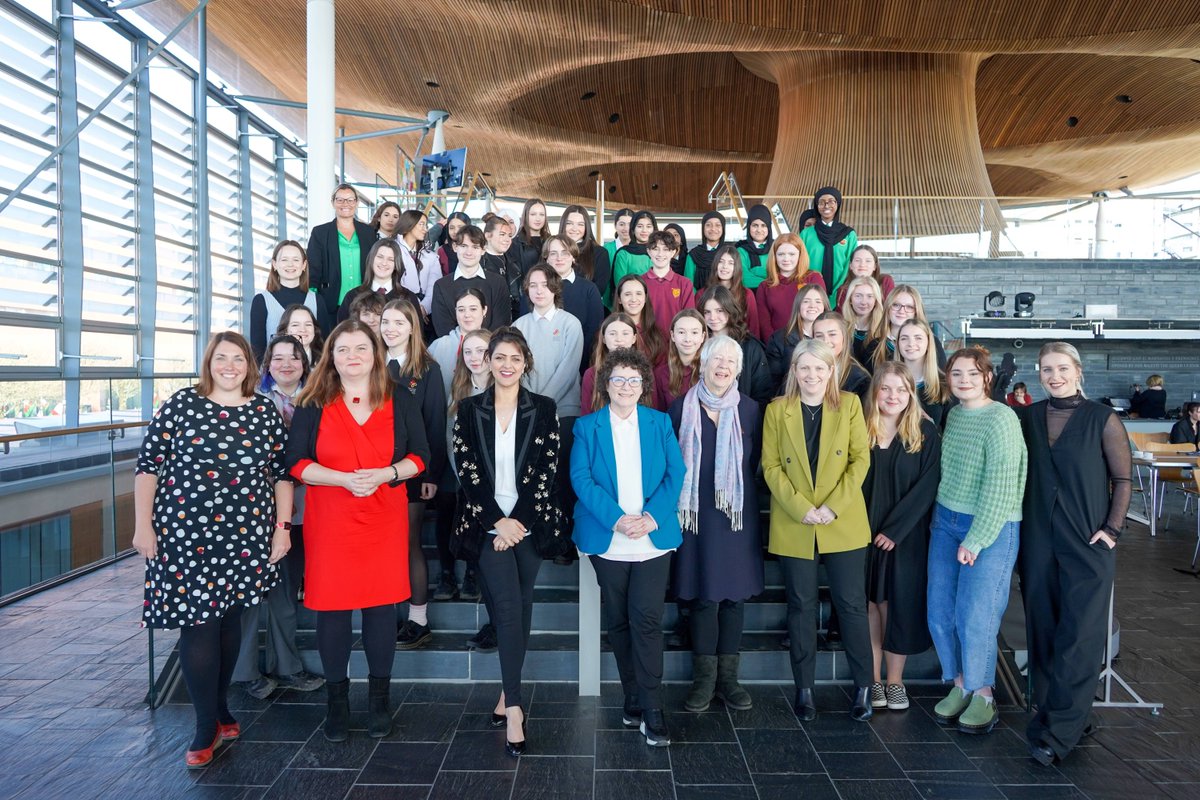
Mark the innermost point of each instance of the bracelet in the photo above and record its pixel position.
(395, 474)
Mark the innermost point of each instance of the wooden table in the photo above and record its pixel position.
(1155, 462)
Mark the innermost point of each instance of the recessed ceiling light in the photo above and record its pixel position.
(486, 174)
(432, 84)
(1072, 122)
(654, 187)
(1124, 98)
(612, 188)
(614, 118)
(593, 173)
(1122, 177)
(587, 96)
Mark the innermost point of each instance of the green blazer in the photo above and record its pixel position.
(842, 463)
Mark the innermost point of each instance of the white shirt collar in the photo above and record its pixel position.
(569, 277)
(458, 272)
(549, 315)
(630, 422)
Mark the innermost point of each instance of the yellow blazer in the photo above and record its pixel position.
(842, 463)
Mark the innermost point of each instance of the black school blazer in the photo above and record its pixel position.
(325, 261)
(537, 450)
(407, 427)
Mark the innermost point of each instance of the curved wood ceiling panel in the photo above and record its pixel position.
(511, 75)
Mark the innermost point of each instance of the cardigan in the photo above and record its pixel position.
(409, 436)
(325, 261)
(473, 443)
(557, 348)
(594, 479)
(843, 464)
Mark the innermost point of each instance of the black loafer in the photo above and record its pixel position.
(1041, 753)
(860, 706)
(804, 707)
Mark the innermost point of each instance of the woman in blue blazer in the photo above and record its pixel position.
(626, 522)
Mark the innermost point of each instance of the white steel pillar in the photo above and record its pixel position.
(321, 122)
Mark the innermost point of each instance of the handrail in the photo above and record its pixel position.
(50, 434)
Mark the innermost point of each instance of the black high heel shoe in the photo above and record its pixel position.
(498, 720)
(516, 749)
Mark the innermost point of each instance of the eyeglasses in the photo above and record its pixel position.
(620, 382)
(904, 307)
(345, 201)
(829, 202)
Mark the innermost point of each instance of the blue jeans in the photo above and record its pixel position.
(967, 602)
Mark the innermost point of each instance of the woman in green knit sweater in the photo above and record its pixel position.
(974, 539)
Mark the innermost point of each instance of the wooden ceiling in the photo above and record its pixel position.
(702, 86)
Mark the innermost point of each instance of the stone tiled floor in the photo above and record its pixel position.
(73, 724)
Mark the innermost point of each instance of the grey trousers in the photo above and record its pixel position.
(278, 609)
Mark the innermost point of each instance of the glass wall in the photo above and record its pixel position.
(125, 199)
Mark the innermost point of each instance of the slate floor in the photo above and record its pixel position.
(73, 724)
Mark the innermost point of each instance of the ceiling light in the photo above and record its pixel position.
(432, 84)
(587, 95)
(613, 118)
(1072, 122)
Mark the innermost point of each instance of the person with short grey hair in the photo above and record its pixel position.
(719, 564)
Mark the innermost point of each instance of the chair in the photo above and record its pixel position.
(1195, 489)
(1138, 440)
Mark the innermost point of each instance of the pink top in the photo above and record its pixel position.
(668, 296)
(775, 302)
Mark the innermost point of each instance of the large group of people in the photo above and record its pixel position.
(545, 396)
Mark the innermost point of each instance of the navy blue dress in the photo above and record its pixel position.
(718, 563)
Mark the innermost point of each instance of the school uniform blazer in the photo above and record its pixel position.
(594, 478)
(537, 449)
(843, 461)
(325, 260)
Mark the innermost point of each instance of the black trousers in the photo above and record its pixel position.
(509, 576)
(1066, 584)
(848, 590)
(632, 593)
(717, 627)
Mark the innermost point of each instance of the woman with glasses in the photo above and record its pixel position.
(904, 303)
(830, 241)
(337, 252)
(627, 472)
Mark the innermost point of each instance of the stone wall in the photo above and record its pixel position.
(954, 288)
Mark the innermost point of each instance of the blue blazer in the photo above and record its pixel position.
(594, 478)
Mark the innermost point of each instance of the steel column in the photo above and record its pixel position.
(70, 220)
(321, 51)
(281, 229)
(246, 212)
(147, 249)
(203, 242)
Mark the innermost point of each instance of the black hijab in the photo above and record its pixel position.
(830, 235)
(806, 215)
(702, 257)
(680, 260)
(761, 214)
(636, 248)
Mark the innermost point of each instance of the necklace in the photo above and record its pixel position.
(812, 415)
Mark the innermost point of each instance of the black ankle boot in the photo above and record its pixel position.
(337, 711)
(804, 707)
(379, 714)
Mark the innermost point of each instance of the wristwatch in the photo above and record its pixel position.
(287, 526)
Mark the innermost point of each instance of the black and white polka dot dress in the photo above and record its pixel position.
(214, 506)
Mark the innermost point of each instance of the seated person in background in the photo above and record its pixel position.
(1187, 430)
(1019, 396)
(1150, 403)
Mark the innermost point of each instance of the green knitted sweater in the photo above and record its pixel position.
(983, 470)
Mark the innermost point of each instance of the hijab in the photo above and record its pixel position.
(636, 248)
(701, 256)
(680, 260)
(757, 253)
(830, 235)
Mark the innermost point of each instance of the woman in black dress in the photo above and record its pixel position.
(415, 372)
(720, 562)
(210, 485)
(1075, 502)
(900, 491)
(915, 350)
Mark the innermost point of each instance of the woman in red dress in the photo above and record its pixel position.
(355, 440)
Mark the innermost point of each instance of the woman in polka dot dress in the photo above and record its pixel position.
(210, 486)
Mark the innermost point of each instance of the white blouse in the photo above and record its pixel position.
(627, 446)
(506, 466)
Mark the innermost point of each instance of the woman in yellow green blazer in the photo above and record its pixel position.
(815, 457)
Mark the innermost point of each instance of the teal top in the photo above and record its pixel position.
(983, 470)
(627, 263)
(753, 276)
(350, 256)
(841, 256)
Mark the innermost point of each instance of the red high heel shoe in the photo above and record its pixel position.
(195, 759)
(230, 732)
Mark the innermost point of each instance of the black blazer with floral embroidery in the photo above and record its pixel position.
(537, 449)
